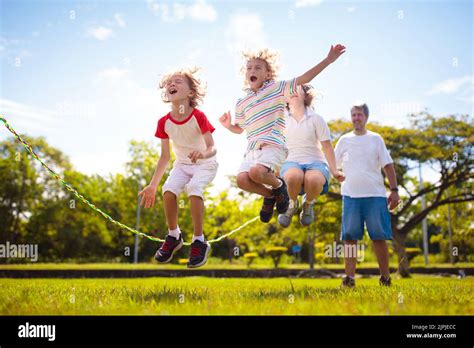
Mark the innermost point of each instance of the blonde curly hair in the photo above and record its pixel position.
(270, 58)
(194, 84)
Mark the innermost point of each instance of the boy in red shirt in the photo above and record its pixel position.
(195, 166)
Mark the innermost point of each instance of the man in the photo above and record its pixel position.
(362, 154)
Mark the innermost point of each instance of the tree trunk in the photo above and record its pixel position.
(230, 246)
(311, 248)
(399, 246)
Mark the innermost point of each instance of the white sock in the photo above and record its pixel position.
(174, 233)
(199, 238)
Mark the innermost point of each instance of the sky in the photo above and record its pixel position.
(85, 74)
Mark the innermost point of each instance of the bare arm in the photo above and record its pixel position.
(226, 121)
(209, 152)
(149, 192)
(235, 129)
(333, 54)
(389, 170)
(393, 198)
(331, 158)
(162, 163)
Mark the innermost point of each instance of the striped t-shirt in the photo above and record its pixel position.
(262, 113)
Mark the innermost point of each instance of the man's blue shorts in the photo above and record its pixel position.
(373, 211)
(321, 166)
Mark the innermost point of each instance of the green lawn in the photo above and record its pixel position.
(212, 264)
(428, 295)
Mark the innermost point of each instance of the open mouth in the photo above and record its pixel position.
(253, 78)
(172, 91)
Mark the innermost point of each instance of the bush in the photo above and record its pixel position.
(250, 257)
(276, 253)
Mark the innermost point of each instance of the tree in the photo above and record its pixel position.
(23, 184)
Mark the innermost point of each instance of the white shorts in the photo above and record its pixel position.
(269, 156)
(190, 177)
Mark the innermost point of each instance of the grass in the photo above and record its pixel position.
(212, 264)
(428, 295)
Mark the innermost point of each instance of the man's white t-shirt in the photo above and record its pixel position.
(303, 138)
(361, 158)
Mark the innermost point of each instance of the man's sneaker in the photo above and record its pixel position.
(266, 212)
(307, 214)
(281, 197)
(285, 219)
(348, 282)
(385, 281)
(198, 254)
(171, 245)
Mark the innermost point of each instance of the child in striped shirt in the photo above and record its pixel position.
(261, 114)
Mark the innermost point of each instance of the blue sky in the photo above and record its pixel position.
(85, 74)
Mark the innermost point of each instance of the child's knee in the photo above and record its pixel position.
(257, 172)
(196, 197)
(169, 196)
(243, 180)
(315, 181)
(293, 178)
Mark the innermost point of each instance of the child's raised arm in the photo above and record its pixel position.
(226, 119)
(333, 54)
(149, 192)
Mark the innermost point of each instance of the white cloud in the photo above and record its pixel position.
(199, 11)
(307, 3)
(202, 11)
(120, 21)
(15, 109)
(111, 75)
(451, 86)
(27, 117)
(245, 31)
(100, 33)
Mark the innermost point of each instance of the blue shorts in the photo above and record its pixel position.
(373, 211)
(321, 166)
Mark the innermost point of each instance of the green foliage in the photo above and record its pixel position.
(35, 208)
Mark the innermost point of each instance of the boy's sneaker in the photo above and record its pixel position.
(307, 213)
(385, 281)
(171, 245)
(281, 197)
(348, 282)
(198, 254)
(285, 219)
(266, 212)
